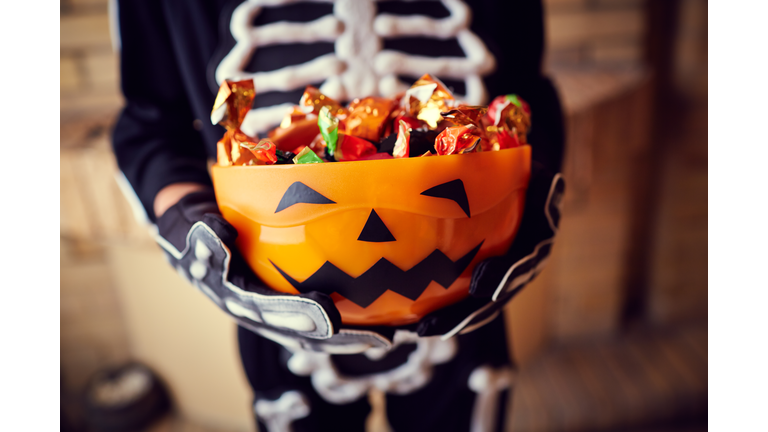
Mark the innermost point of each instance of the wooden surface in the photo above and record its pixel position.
(594, 33)
(641, 379)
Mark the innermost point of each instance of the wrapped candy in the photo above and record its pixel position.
(229, 150)
(457, 140)
(509, 117)
(349, 148)
(368, 116)
(232, 103)
(412, 122)
(403, 138)
(464, 115)
(329, 129)
(425, 120)
(306, 156)
(263, 152)
(426, 99)
(341, 146)
(498, 105)
(297, 133)
(312, 101)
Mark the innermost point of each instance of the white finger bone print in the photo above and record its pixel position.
(358, 67)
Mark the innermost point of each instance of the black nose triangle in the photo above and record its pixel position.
(375, 231)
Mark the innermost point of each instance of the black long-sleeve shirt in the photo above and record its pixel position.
(170, 50)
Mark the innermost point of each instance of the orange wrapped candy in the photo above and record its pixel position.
(368, 116)
(229, 150)
(299, 132)
(232, 103)
(312, 101)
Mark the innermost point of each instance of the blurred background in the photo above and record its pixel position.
(612, 336)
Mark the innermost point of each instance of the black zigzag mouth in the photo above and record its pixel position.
(382, 276)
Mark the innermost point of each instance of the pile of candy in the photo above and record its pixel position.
(426, 120)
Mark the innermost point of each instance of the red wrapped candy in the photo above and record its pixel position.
(457, 140)
(349, 148)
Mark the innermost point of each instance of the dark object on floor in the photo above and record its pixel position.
(123, 399)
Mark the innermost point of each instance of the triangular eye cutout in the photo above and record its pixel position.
(452, 190)
(298, 193)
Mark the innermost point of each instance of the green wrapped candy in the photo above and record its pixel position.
(329, 129)
(307, 156)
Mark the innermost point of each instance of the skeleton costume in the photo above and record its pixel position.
(450, 371)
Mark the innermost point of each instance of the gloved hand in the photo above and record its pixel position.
(496, 280)
(200, 244)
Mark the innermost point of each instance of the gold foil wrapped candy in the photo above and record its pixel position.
(368, 116)
(426, 116)
(232, 104)
(312, 101)
(426, 99)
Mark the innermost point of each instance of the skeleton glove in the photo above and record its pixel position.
(200, 244)
(496, 280)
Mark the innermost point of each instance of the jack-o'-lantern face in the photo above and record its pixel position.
(388, 240)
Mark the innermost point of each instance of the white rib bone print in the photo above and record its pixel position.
(359, 66)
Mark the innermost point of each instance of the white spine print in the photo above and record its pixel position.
(358, 67)
(357, 46)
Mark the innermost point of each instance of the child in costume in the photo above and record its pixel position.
(449, 371)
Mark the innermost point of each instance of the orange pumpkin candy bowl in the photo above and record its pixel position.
(389, 240)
